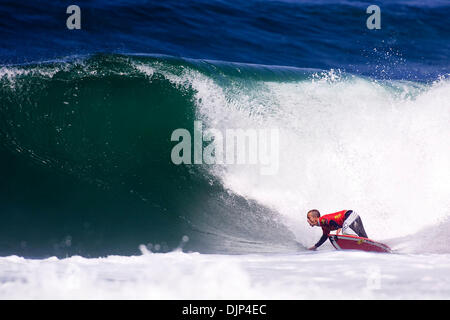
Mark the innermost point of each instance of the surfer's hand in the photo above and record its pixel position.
(313, 248)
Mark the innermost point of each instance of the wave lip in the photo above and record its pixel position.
(319, 34)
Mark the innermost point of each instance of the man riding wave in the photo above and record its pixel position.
(347, 220)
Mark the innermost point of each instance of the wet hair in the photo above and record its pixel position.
(314, 212)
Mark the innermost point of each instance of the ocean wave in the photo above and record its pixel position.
(85, 149)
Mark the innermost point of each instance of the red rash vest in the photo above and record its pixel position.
(330, 222)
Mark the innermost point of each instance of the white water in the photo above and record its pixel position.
(380, 149)
(308, 275)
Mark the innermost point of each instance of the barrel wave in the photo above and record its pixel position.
(86, 167)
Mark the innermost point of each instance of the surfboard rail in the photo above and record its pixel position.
(349, 242)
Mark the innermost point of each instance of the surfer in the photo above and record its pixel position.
(347, 220)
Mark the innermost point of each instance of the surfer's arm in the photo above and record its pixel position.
(338, 231)
(322, 239)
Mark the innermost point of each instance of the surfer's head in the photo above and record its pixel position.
(313, 217)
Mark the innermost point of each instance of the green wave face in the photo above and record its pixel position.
(85, 160)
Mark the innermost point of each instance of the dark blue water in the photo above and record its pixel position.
(413, 42)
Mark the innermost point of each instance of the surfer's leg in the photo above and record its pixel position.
(358, 227)
(346, 226)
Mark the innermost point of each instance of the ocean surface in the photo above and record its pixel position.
(93, 206)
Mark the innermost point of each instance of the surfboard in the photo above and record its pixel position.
(348, 242)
